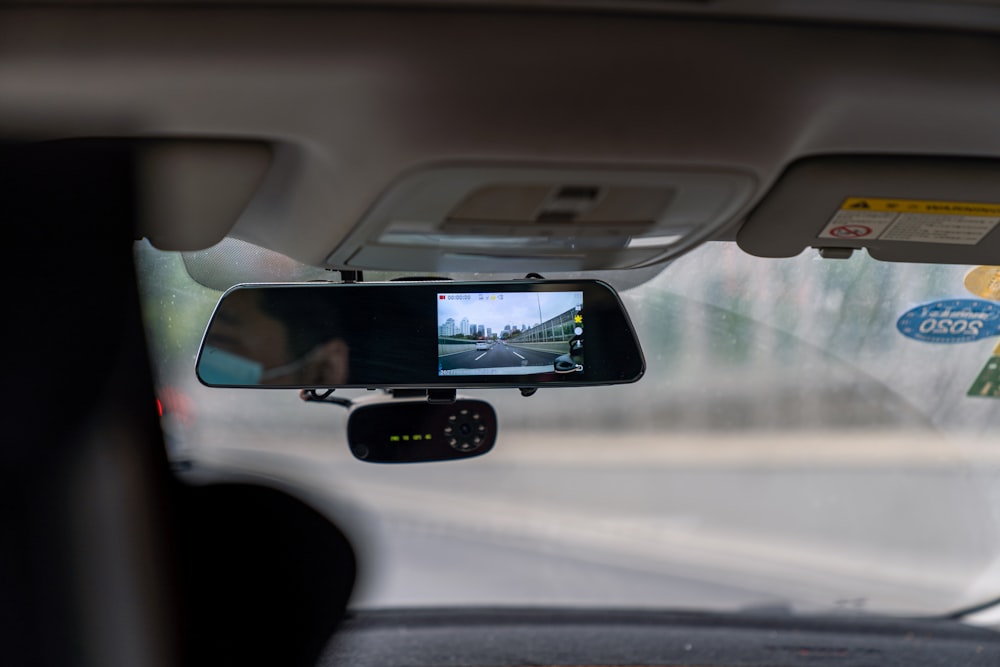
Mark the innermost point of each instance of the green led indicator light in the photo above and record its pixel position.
(416, 437)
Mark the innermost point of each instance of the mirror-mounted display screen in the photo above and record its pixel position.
(525, 333)
(488, 333)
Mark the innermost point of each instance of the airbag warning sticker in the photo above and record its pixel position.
(912, 220)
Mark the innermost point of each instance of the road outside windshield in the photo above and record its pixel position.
(789, 446)
(508, 333)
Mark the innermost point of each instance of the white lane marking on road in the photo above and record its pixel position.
(517, 355)
(480, 356)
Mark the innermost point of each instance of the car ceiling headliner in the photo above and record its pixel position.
(354, 97)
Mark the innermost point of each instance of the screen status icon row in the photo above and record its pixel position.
(476, 296)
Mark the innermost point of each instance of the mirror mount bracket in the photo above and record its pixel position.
(348, 276)
(441, 396)
(438, 396)
(528, 391)
(405, 393)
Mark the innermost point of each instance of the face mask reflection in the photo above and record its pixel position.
(252, 342)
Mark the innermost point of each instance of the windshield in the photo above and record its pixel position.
(788, 446)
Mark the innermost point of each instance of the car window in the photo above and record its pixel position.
(787, 446)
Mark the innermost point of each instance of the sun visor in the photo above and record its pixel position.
(192, 191)
(900, 208)
(522, 218)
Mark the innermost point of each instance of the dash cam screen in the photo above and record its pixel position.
(510, 333)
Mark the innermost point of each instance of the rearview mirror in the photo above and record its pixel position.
(526, 333)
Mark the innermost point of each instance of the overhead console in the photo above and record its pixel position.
(514, 218)
(899, 208)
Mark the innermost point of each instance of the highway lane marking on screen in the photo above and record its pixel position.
(517, 355)
(482, 355)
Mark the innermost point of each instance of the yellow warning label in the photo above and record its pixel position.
(919, 206)
(864, 219)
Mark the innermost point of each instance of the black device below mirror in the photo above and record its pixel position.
(414, 431)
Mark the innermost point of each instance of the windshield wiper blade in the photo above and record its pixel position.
(964, 612)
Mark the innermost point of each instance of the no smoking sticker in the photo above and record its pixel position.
(912, 220)
(850, 231)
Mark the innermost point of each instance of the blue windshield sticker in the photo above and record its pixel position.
(951, 321)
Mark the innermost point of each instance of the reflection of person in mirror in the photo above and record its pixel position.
(281, 339)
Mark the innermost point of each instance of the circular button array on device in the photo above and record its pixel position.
(465, 430)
